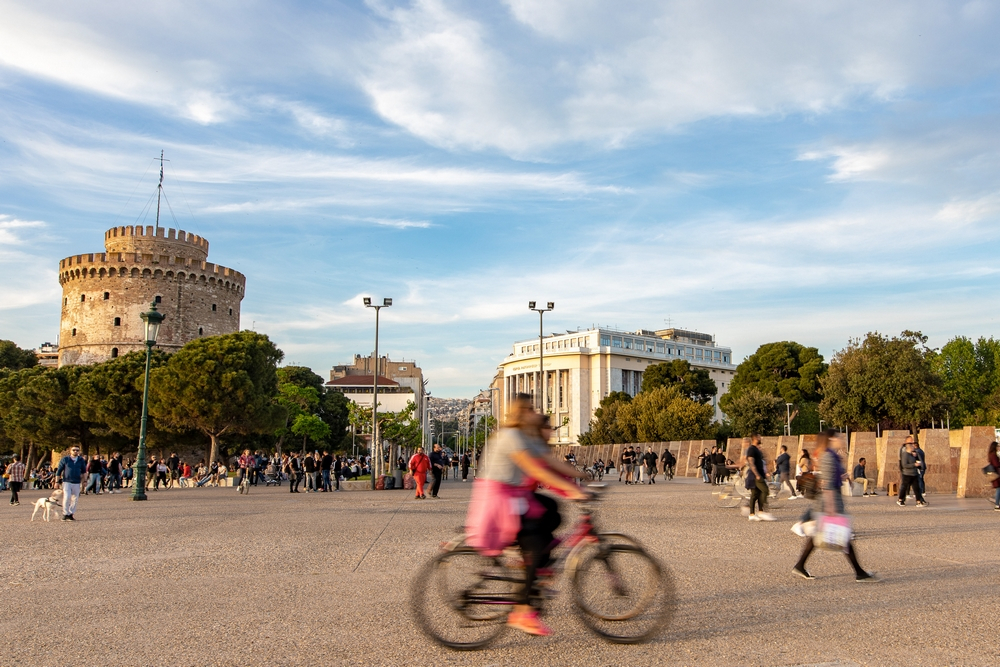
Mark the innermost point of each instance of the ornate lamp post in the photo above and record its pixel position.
(376, 446)
(153, 319)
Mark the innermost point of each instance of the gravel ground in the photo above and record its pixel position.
(207, 577)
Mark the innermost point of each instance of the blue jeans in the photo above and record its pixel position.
(93, 483)
(326, 481)
(996, 497)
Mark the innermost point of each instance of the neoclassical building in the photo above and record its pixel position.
(104, 293)
(582, 367)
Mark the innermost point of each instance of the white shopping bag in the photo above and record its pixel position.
(833, 531)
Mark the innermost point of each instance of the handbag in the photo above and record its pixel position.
(833, 532)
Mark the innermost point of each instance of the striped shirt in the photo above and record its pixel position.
(16, 471)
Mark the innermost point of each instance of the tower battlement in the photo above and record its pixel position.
(105, 294)
(151, 240)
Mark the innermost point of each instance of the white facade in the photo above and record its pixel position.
(583, 367)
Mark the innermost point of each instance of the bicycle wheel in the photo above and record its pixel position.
(461, 599)
(622, 593)
(728, 497)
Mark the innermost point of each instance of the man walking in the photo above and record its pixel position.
(325, 464)
(70, 471)
(173, 467)
(15, 474)
(94, 469)
(419, 465)
(921, 465)
(438, 463)
(649, 459)
(669, 461)
(338, 466)
(757, 476)
(784, 465)
(908, 467)
(309, 465)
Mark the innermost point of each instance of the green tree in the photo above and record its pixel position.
(695, 383)
(884, 381)
(300, 376)
(605, 428)
(14, 358)
(334, 410)
(219, 385)
(293, 401)
(787, 370)
(662, 413)
(310, 427)
(22, 419)
(110, 394)
(755, 411)
(667, 413)
(970, 377)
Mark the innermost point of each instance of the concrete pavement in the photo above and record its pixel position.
(206, 577)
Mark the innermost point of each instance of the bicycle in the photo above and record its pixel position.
(245, 482)
(461, 598)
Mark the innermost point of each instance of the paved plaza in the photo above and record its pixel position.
(207, 577)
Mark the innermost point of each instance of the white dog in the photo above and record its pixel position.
(46, 504)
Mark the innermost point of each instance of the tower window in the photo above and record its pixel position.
(114, 353)
(230, 312)
(83, 297)
(107, 295)
(213, 307)
(118, 321)
(74, 332)
(158, 298)
(65, 302)
(200, 331)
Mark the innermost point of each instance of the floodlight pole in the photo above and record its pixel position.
(376, 445)
(541, 348)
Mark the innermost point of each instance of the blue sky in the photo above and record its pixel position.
(765, 171)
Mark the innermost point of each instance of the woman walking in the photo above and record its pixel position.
(994, 461)
(829, 501)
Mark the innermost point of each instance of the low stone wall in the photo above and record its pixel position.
(954, 458)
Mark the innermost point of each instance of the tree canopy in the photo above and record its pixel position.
(884, 381)
(15, 358)
(660, 414)
(754, 411)
(970, 377)
(218, 385)
(695, 383)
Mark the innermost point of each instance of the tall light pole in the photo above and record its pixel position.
(788, 419)
(153, 319)
(376, 445)
(541, 347)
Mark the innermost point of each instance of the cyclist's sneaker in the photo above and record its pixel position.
(529, 622)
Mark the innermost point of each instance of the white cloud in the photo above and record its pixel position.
(68, 52)
(28, 277)
(590, 72)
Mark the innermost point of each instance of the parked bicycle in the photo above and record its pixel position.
(461, 598)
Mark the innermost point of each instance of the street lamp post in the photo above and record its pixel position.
(152, 320)
(541, 347)
(788, 419)
(376, 445)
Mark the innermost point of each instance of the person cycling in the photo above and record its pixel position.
(506, 507)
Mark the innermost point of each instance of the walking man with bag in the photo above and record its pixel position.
(830, 502)
(753, 458)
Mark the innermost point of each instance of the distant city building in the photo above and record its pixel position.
(447, 409)
(582, 367)
(404, 381)
(47, 355)
(104, 293)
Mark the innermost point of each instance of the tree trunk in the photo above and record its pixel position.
(281, 439)
(31, 455)
(215, 448)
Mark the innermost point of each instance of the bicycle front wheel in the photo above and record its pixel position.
(622, 593)
(461, 599)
